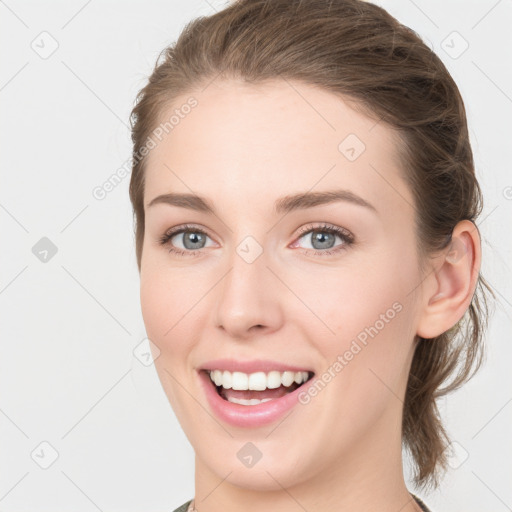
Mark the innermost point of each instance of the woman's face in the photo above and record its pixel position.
(263, 287)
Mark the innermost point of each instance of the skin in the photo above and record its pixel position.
(243, 147)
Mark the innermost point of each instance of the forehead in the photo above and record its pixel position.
(245, 142)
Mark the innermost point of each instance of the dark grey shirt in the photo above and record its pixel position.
(422, 505)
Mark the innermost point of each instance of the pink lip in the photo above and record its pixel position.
(255, 365)
(249, 416)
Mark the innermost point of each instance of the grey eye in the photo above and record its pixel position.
(192, 240)
(320, 239)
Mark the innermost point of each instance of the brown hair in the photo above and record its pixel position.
(357, 50)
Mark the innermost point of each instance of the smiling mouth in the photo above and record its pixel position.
(256, 388)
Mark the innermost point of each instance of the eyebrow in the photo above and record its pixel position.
(283, 205)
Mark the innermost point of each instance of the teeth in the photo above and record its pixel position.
(287, 378)
(217, 377)
(240, 380)
(243, 401)
(227, 380)
(258, 381)
(274, 380)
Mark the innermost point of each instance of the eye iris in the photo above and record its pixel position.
(321, 236)
(193, 238)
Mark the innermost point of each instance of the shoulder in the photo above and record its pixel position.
(183, 507)
(422, 505)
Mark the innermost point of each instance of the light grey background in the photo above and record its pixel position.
(68, 375)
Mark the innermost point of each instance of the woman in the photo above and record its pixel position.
(305, 205)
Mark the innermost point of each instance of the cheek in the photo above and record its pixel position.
(173, 309)
(154, 306)
(367, 357)
(165, 296)
(163, 309)
(370, 306)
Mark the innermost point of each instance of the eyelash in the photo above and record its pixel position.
(345, 235)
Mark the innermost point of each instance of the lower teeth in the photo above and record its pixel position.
(252, 401)
(243, 401)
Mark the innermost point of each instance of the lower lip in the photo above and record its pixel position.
(248, 416)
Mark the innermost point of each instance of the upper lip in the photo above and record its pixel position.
(252, 366)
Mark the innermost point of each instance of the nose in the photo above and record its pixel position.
(249, 299)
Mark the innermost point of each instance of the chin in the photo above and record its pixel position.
(271, 472)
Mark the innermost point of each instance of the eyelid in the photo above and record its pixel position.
(328, 227)
(185, 227)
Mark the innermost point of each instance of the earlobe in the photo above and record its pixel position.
(452, 284)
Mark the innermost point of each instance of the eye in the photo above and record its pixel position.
(192, 238)
(323, 238)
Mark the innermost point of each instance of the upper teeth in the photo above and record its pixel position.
(256, 381)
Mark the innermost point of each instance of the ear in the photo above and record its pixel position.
(449, 288)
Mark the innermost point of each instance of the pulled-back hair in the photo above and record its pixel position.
(358, 51)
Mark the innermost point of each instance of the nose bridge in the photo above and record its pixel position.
(247, 295)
